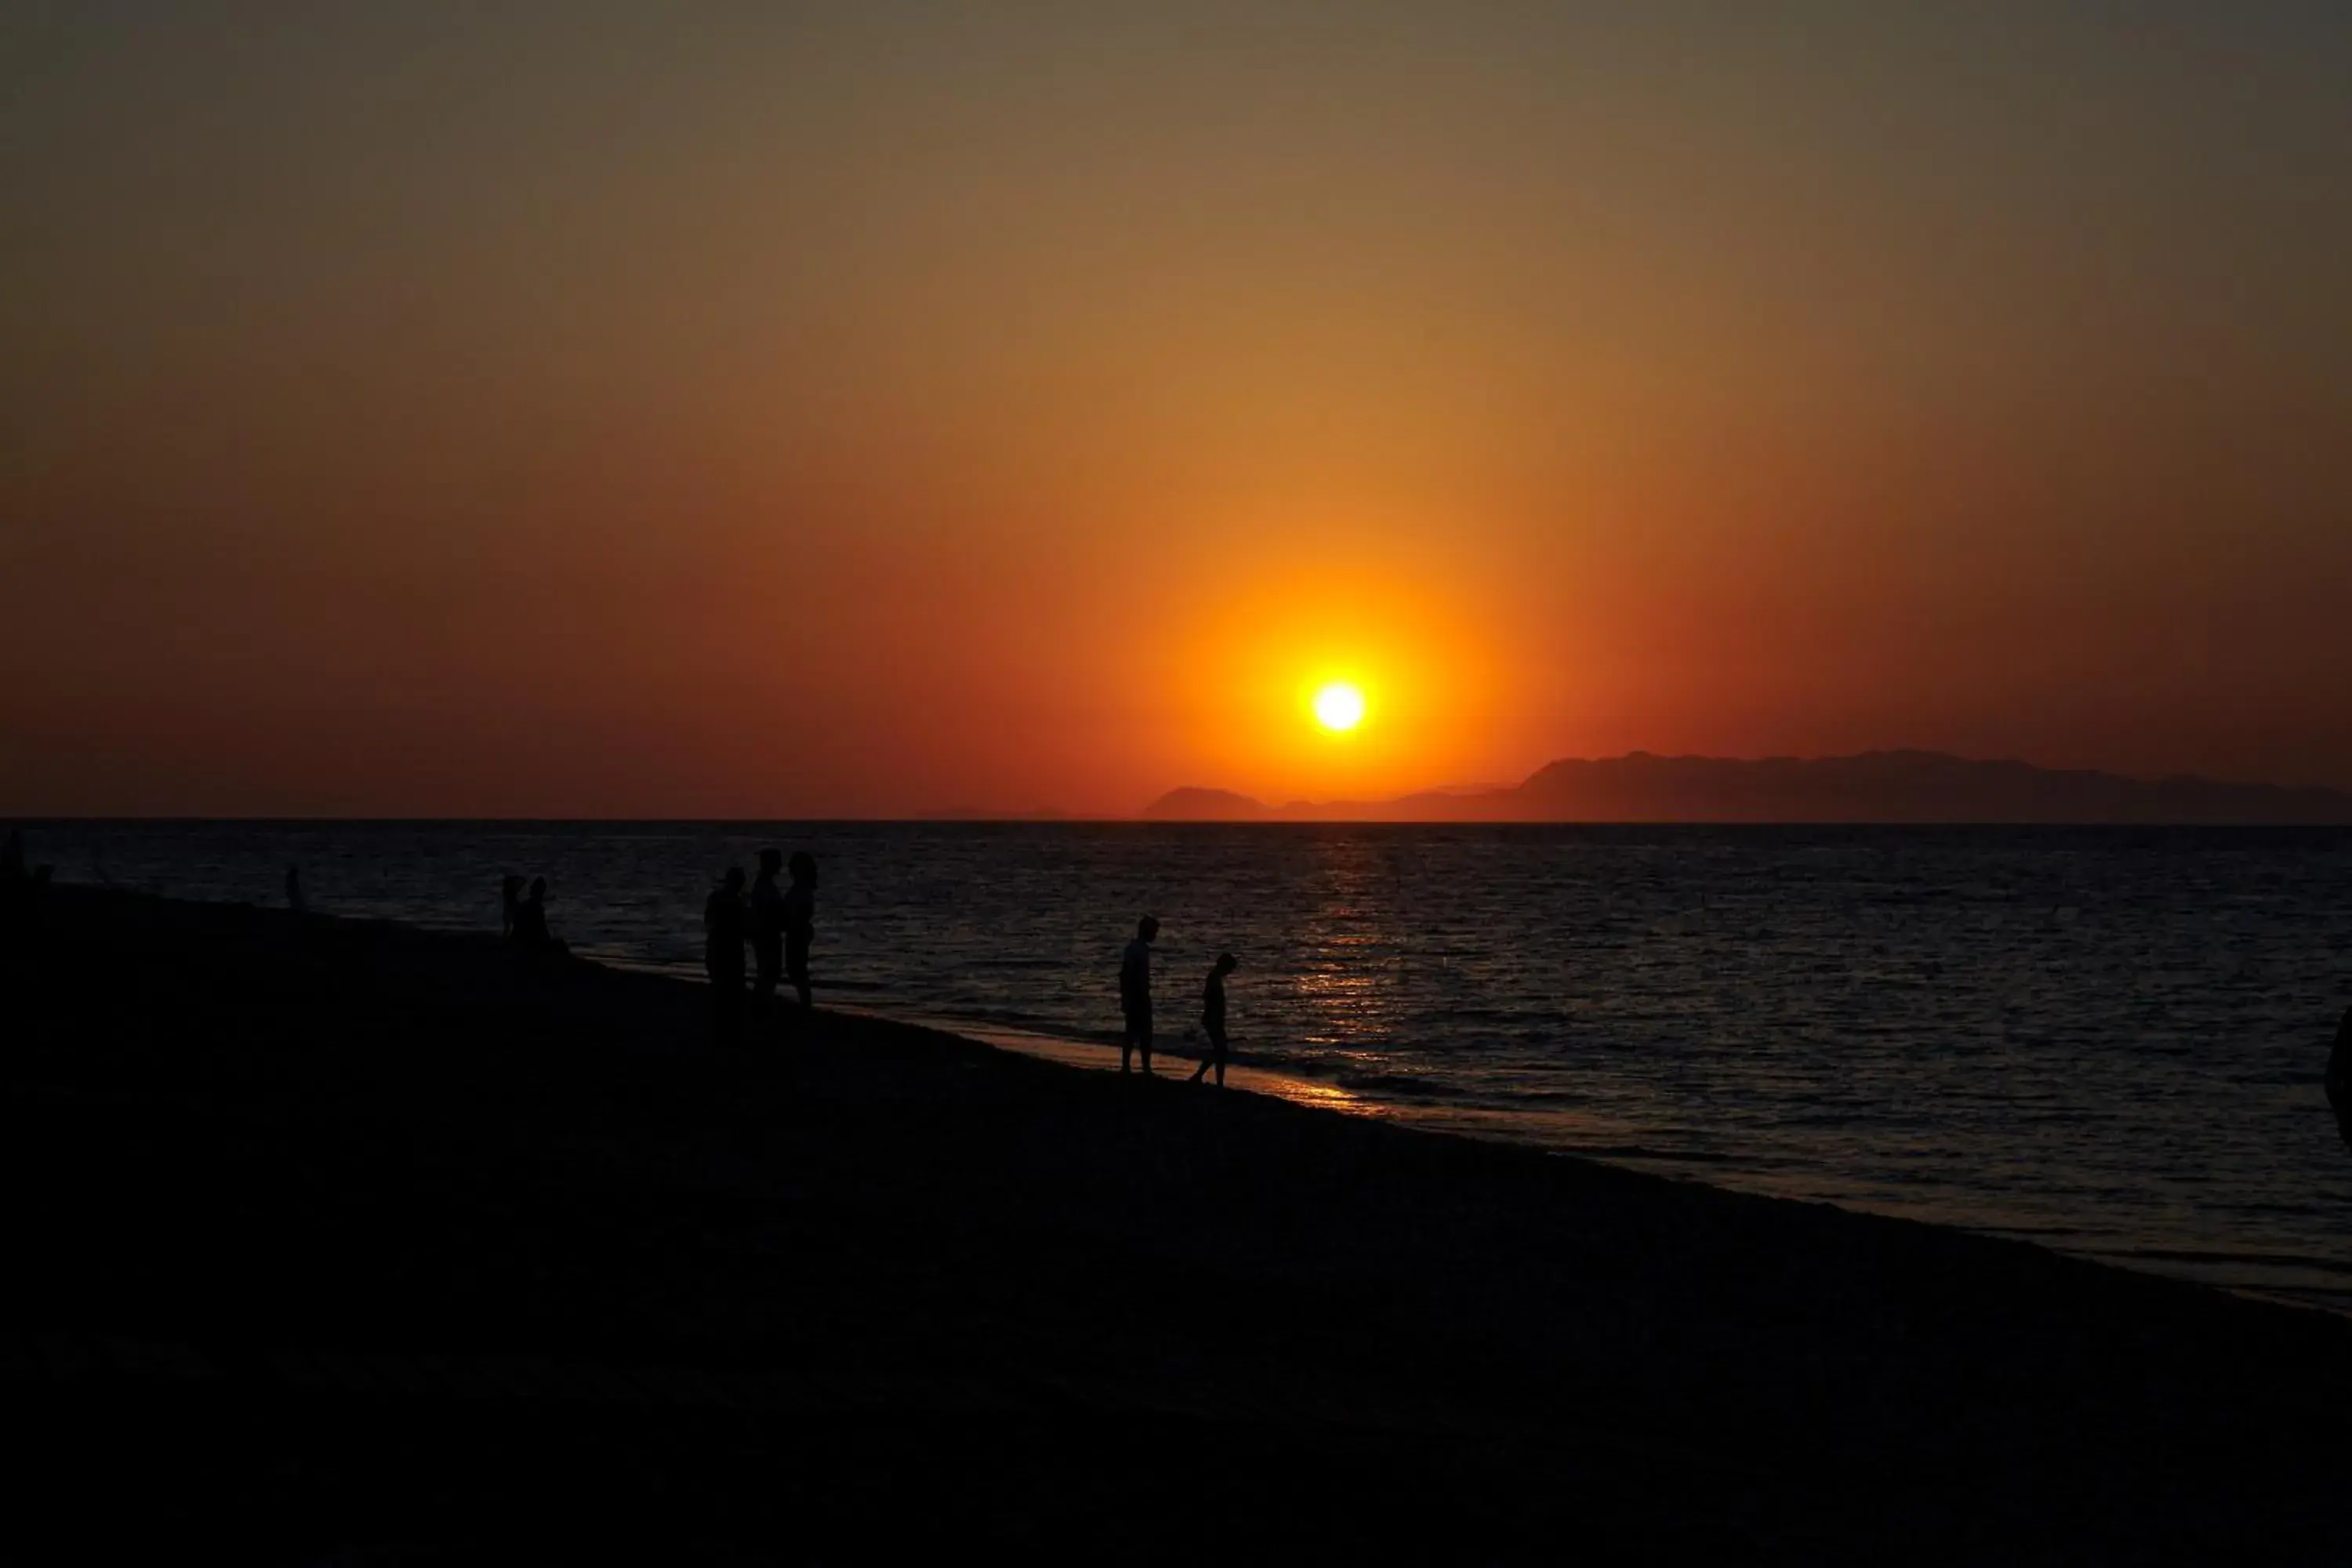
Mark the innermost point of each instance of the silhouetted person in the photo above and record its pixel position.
(1212, 1018)
(725, 924)
(767, 930)
(509, 904)
(1135, 996)
(2339, 1078)
(800, 924)
(532, 937)
(16, 891)
(294, 890)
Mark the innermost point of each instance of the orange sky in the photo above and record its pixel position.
(587, 411)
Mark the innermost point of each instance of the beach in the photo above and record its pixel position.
(338, 1240)
(2103, 1041)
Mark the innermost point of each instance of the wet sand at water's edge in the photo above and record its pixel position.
(330, 1236)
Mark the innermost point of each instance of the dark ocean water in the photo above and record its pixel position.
(2108, 1041)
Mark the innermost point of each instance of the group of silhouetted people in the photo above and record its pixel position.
(777, 923)
(1135, 1003)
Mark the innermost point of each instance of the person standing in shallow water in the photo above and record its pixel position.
(800, 925)
(767, 930)
(1135, 996)
(509, 904)
(531, 931)
(725, 923)
(1212, 1018)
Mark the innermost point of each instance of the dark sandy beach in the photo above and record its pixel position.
(335, 1241)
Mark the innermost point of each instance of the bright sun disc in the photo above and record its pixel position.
(1339, 706)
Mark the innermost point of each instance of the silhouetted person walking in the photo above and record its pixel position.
(2339, 1078)
(16, 890)
(509, 904)
(767, 930)
(1135, 996)
(725, 924)
(532, 938)
(294, 899)
(800, 924)
(1212, 1018)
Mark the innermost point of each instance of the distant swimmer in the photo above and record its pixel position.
(1212, 1018)
(2339, 1078)
(725, 923)
(767, 930)
(800, 924)
(1135, 996)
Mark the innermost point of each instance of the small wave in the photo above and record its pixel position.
(2220, 1258)
(2038, 1231)
(1643, 1152)
(1404, 1083)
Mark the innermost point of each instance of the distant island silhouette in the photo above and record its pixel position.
(1900, 786)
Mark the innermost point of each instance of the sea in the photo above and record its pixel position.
(2105, 1041)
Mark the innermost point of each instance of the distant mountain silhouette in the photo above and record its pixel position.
(1874, 786)
(1193, 805)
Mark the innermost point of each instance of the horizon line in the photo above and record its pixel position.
(1301, 810)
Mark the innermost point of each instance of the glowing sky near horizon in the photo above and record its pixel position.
(605, 409)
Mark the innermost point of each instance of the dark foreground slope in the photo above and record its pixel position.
(333, 1239)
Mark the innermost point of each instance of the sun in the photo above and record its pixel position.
(1338, 707)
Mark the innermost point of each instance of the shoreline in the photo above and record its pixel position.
(1519, 1129)
(338, 1233)
(2176, 1126)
